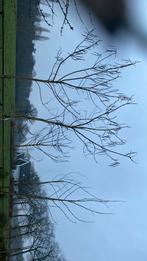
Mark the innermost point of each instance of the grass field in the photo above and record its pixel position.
(7, 105)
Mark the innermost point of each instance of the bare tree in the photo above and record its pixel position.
(36, 215)
(65, 194)
(113, 15)
(86, 103)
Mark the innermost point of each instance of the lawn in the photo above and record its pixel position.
(7, 105)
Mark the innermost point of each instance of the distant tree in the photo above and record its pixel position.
(35, 226)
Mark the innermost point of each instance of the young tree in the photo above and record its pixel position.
(34, 220)
(65, 194)
(86, 103)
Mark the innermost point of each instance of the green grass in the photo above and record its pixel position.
(7, 104)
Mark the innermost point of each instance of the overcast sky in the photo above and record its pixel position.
(122, 235)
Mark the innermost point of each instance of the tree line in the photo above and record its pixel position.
(28, 31)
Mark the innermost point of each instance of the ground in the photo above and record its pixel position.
(7, 105)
